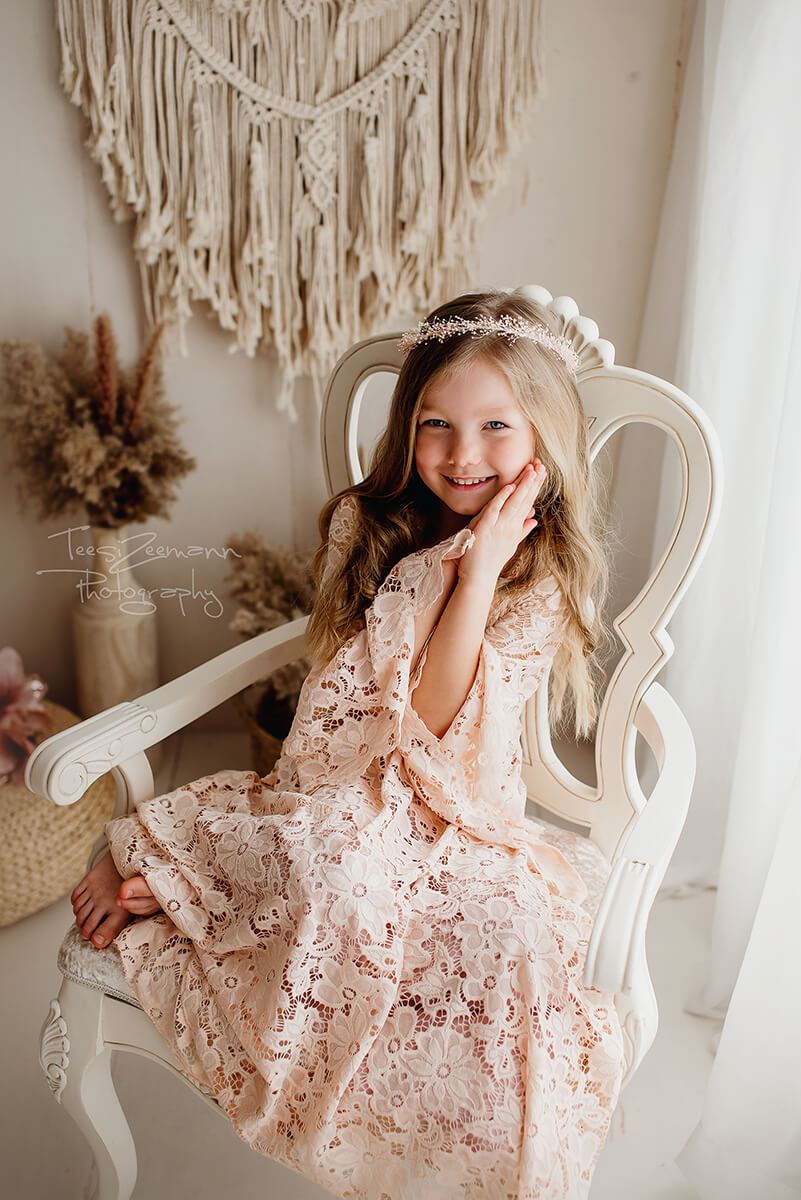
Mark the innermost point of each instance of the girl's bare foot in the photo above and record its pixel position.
(104, 902)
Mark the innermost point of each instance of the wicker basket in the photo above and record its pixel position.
(45, 847)
(265, 748)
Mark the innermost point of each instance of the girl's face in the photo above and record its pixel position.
(471, 427)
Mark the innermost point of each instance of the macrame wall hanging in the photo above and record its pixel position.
(311, 168)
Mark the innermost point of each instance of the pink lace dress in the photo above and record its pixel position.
(369, 957)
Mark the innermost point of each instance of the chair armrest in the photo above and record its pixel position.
(616, 950)
(65, 765)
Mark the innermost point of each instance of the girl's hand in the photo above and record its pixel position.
(501, 526)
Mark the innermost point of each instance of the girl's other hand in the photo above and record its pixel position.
(501, 526)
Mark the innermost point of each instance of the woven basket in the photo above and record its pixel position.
(45, 847)
(265, 748)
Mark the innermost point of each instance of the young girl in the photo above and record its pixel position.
(371, 957)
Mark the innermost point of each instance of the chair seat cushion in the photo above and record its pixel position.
(82, 962)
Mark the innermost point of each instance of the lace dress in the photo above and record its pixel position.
(369, 957)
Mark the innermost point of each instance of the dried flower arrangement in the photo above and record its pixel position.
(87, 434)
(273, 586)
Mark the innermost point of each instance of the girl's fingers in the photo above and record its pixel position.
(518, 505)
(517, 495)
(501, 498)
(522, 494)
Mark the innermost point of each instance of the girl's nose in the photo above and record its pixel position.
(462, 454)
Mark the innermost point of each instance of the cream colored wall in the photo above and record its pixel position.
(578, 213)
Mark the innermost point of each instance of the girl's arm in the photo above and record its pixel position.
(453, 653)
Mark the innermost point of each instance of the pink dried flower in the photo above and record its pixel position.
(22, 715)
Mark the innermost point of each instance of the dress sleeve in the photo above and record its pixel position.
(526, 636)
(341, 532)
(471, 775)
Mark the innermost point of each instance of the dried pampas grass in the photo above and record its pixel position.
(86, 434)
(273, 586)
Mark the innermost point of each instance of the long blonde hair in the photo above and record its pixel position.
(398, 512)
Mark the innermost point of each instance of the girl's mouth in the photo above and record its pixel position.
(469, 487)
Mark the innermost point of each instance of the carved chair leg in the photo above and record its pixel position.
(639, 1018)
(78, 1070)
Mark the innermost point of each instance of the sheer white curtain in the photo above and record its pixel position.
(723, 321)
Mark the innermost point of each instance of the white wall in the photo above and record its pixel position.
(578, 214)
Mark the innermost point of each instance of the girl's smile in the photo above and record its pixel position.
(469, 485)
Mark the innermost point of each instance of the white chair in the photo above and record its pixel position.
(621, 841)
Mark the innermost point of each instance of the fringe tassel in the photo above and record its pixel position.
(310, 170)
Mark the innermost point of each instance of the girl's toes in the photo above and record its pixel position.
(91, 922)
(82, 911)
(142, 906)
(134, 888)
(109, 929)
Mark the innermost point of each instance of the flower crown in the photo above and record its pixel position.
(510, 327)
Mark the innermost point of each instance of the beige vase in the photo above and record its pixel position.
(114, 629)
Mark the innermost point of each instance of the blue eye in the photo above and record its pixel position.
(432, 420)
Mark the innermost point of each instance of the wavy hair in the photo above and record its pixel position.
(572, 540)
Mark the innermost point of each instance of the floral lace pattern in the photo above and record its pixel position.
(370, 957)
